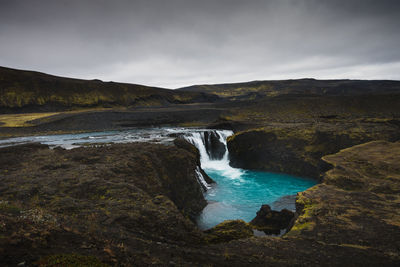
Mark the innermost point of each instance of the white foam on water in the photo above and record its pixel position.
(220, 165)
(201, 179)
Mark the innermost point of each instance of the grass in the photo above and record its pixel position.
(25, 119)
(22, 120)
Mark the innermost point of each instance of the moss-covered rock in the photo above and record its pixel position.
(228, 230)
(337, 212)
(184, 144)
(100, 201)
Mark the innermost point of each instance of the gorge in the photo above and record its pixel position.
(236, 193)
(239, 193)
(141, 182)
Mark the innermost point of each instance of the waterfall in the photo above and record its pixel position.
(209, 141)
(201, 180)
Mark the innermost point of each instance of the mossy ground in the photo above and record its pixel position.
(99, 201)
(30, 91)
(71, 260)
(228, 230)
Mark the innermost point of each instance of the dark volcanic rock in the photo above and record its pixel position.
(215, 149)
(182, 143)
(362, 216)
(297, 148)
(105, 201)
(272, 221)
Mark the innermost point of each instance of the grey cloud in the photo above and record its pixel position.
(180, 42)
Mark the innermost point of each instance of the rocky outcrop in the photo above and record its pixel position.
(104, 201)
(182, 143)
(228, 230)
(272, 221)
(297, 148)
(357, 204)
(350, 219)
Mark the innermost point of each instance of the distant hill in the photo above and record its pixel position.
(29, 91)
(260, 89)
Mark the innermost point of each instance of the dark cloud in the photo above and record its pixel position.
(181, 42)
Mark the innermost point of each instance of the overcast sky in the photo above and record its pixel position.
(174, 43)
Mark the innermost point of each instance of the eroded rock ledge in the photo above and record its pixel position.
(297, 148)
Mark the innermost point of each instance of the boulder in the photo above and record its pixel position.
(272, 221)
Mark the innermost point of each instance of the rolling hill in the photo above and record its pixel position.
(259, 89)
(29, 91)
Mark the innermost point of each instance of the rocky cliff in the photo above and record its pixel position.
(297, 148)
(358, 203)
(350, 219)
(104, 201)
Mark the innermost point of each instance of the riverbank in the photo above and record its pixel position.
(111, 202)
(197, 115)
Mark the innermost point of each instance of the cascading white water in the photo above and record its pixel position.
(201, 180)
(222, 165)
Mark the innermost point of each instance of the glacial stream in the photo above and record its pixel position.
(237, 194)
